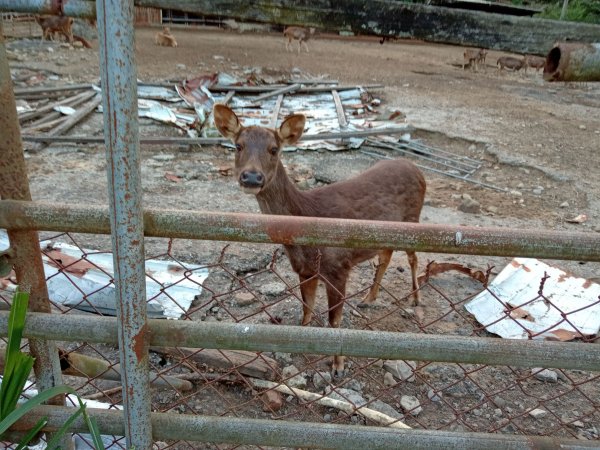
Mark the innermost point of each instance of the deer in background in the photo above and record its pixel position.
(55, 24)
(510, 62)
(535, 62)
(472, 57)
(165, 38)
(392, 190)
(297, 33)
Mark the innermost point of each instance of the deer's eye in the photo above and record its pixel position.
(274, 150)
(238, 147)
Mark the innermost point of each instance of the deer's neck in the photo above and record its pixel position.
(281, 197)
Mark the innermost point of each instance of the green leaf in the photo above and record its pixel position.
(58, 435)
(92, 426)
(32, 403)
(35, 430)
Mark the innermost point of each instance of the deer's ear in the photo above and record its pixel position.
(291, 129)
(226, 121)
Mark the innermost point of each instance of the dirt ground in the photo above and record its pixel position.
(539, 141)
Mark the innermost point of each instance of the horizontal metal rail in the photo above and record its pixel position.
(21, 215)
(72, 8)
(280, 433)
(322, 341)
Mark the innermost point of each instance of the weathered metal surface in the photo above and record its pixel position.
(72, 8)
(399, 19)
(573, 62)
(119, 100)
(281, 433)
(312, 231)
(326, 341)
(27, 258)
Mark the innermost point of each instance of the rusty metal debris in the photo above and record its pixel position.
(434, 268)
(340, 117)
(573, 62)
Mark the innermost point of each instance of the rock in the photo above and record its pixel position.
(163, 157)
(468, 205)
(499, 401)
(578, 424)
(545, 375)
(411, 405)
(181, 66)
(388, 379)
(477, 412)
(434, 396)
(293, 378)
(538, 413)
(497, 412)
(327, 418)
(492, 209)
(582, 127)
(345, 395)
(321, 380)
(77, 44)
(244, 298)
(516, 193)
(272, 289)
(564, 205)
(273, 401)
(283, 358)
(472, 147)
(354, 385)
(401, 370)
(538, 191)
(218, 57)
(386, 409)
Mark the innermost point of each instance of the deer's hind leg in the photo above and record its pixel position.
(385, 257)
(413, 261)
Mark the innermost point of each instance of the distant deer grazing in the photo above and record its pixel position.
(165, 38)
(535, 62)
(510, 63)
(298, 33)
(472, 57)
(55, 24)
(391, 190)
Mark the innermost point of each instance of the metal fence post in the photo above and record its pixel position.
(119, 99)
(14, 184)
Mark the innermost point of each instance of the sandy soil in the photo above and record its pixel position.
(538, 140)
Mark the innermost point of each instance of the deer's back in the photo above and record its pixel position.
(391, 190)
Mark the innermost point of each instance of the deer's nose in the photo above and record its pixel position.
(250, 178)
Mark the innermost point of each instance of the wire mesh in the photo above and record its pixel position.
(299, 387)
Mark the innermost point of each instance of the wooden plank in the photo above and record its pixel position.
(339, 108)
(272, 87)
(247, 363)
(275, 115)
(215, 141)
(70, 101)
(46, 89)
(228, 97)
(285, 90)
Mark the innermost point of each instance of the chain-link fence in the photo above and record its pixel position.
(299, 387)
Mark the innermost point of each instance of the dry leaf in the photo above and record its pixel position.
(172, 177)
(578, 219)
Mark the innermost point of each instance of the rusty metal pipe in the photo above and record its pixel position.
(123, 170)
(282, 433)
(27, 262)
(71, 8)
(311, 231)
(573, 62)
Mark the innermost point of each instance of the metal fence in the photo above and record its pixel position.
(418, 377)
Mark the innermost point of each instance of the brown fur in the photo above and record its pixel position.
(298, 33)
(510, 63)
(390, 190)
(535, 62)
(56, 24)
(165, 38)
(472, 57)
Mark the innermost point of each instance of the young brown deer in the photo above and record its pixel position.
(298, 33)
(391, 190)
